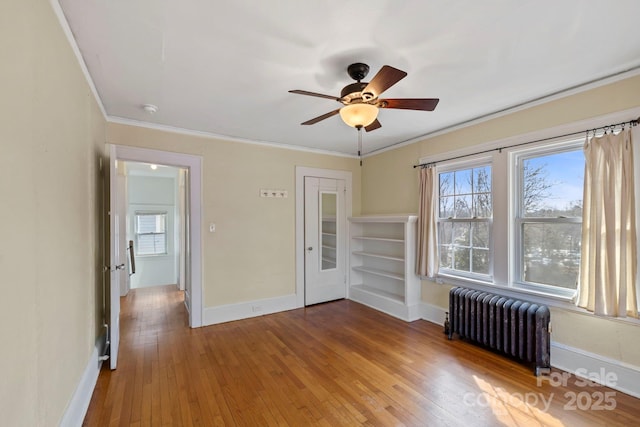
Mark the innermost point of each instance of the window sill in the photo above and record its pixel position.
(153, 256)
(551, 300)
(510, 291)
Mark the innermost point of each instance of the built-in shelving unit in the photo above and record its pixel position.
(382, 264)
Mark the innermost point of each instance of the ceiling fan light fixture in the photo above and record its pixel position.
(359, 115)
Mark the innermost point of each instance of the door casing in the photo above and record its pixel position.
(301, 173)
(194, 165)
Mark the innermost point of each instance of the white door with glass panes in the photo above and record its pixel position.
(325, 240)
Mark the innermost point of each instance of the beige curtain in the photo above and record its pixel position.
(427, 250)
(608, 266)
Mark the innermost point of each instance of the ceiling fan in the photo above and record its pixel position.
(362, 100)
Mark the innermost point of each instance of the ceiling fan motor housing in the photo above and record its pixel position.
(353, 93)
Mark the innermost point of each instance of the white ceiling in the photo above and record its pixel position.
(224, 67)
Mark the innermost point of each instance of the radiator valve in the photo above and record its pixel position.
(446, 323)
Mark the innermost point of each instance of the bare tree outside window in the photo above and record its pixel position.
(551, 219)
(548, 223)
(464, 225)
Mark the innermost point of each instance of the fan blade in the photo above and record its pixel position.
(373, 126)
(319, 95)
(386, 77)
(320, 118)
(424, 104)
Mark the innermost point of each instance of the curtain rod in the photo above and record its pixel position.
(634, 122)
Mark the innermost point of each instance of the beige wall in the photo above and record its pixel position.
(51, 135)
(50, 131)
(390, 184)
(251, 255)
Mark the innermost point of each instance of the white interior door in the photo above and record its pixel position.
(115, 264)
(325, 240)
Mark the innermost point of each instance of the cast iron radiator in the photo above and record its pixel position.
(510, 326)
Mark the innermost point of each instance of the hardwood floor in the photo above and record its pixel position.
(332, 364)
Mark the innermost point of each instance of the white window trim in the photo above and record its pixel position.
(500, 284)
(504, 250)
(461, 164)
(166, 233)
(515, 178)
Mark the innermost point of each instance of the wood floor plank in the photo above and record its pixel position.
(334, 364)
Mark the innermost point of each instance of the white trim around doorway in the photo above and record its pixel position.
(194, 164)
(301, 173)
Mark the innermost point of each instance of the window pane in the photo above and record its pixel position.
(480, 235)
(551, 253)
(150, 223)
(481, 261)
(461, 234)
(151, 244)
(445, 233)
(462, 258)
(552, 185)
(445, 256)
(446, 184)
(462, 207)
(482, 180)
(446, 207)
(482, 205)
(463, 181)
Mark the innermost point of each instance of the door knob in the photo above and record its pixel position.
(310, 248)
(120, 267)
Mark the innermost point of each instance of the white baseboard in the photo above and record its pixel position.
(432, 313)
(383, 303)
(77, 408)
(593, 366)
(574, 360)
(245, 310)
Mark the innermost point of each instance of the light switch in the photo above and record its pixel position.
(212, 228)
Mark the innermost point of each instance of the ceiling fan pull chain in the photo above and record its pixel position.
(360, 144)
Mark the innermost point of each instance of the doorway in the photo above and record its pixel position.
(193, 264)
(323, 204)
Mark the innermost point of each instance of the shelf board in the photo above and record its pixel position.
(378, 239)
(379, 292)
(378, 272)
(372, 255)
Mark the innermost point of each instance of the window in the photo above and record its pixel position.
(549, 216)
(513, 218)
(464, 220)
(151, 233)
